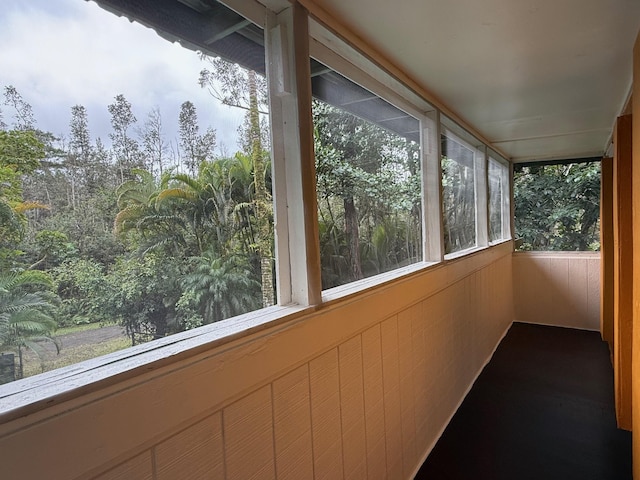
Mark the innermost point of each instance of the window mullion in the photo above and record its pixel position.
(482, 196)
(432, 189)
(295, 210)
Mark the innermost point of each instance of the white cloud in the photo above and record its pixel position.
(60, 53)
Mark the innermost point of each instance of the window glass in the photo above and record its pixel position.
(497, 193)
(140, 204)
(458, 195)
(368, 181)
(557, 206)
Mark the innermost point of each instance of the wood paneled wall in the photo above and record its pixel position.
(557, 288)
(622, 269)
(360, 389)
(606, 251)
(636, 260)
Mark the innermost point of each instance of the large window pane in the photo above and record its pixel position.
(147, 169)
(368, 181)
(459, 195)
(557, 206)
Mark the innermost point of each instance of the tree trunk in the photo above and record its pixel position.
(21, 369)
(353, 237)
(262, 202)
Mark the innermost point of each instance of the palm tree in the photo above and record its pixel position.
(143, 212)
(204, 203)
(25, 314)
(222, 287)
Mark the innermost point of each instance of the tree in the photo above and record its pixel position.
(557, 207)
(155, 224)
(241, 88)
(368, 183)
(143, 294)
(195, 148)
(23, 113)
(229, 83)
(20, 154)
(154, 144)
(78, 159)
(26, 313)
(459, 201)
(126, 150)
(221, 287)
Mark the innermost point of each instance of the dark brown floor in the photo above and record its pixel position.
(542, 409)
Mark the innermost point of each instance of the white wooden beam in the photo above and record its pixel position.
(432, 230)
(295, 211)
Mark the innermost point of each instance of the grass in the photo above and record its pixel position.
(69, 356)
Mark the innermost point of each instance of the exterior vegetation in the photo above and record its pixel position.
(131, 233)
(368, 186)
(557, 207)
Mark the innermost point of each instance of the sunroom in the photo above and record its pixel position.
(356, 371)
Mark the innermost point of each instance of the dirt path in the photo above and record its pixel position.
(76, 347)
(98, 335)
(87, 337)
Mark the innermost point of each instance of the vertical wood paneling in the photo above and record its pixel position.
(435, 365)
(623, 269)
(292, 424)
(636, 259)
(579, 291)
(140, 468)
(354, 446)
(194, 454)
(606, 249)
(465, 337)
(391, 386)
(593, 291)
(554, 289)
(324, 380)
(248, 437)
(409, 454)
(420, 378)
(374, 403)
(556, 275)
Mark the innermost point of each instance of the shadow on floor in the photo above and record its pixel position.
(542, 409)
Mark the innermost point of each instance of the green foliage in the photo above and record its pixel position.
(459, 205)
(52, 247)
(209, 217)
(143, 294)
(20, 151)
(368, 185)
(20, 154)
(154, 250)
(85, 292)
(557, 207)
(26, 312)
(219, 288)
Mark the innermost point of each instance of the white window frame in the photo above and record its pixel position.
(457, 134)
(331, 51)
(505, 196)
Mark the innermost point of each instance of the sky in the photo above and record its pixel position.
(61, 53)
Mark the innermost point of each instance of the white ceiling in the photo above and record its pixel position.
(541, 79)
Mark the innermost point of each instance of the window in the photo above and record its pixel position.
(188, 182)
(499, 221)
(368, 165)
(181, 171)
(557, 205)
(458, 194)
